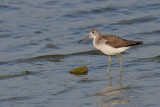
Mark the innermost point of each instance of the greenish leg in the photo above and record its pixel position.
(120, 61)
(109, 63)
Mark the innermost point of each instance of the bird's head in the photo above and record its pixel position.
(93, 34)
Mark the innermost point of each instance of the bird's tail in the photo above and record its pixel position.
(133, 43)
(139, 42)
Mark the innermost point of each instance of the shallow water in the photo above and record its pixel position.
(41, 37)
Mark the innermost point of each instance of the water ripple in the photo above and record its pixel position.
(149, 33)
(135, 21)
(7, 8)
(83, 12)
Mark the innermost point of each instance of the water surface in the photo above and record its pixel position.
(40, 37)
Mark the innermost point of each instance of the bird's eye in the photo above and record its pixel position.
(92, 32)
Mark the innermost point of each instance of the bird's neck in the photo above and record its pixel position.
(96, 40)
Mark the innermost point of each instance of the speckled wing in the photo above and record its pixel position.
(118, 42)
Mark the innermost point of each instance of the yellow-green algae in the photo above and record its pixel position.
(79, 71)
(15, 75)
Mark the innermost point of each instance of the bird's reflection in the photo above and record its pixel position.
(112, 95)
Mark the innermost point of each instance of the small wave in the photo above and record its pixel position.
(134, 21)
(149, 33)
(5, 7)
(82, 12)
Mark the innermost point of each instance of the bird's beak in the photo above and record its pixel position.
(84, 38)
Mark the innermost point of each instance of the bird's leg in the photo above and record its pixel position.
(120, 61)
(109, 63)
